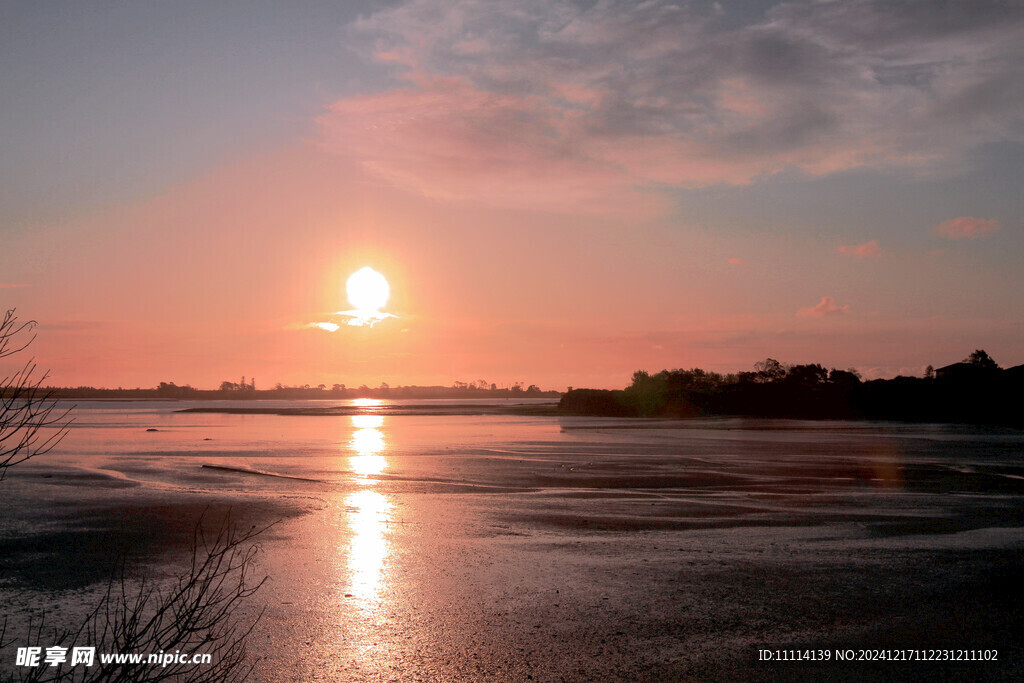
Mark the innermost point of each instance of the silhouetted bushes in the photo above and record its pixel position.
(600, 402)
(973, 391)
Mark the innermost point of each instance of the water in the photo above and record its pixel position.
(454, 540)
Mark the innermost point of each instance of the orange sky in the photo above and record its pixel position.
(534, 223)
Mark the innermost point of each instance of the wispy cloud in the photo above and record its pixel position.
(966, 227)
(560, 104)
(866, 250)
(453, 141)
(11, 285)
(736, 261)
(827, 306)
(350, 318)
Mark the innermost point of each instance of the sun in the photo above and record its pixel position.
(367, 290)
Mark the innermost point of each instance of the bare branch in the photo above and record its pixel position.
(195, 614)
(31, 421)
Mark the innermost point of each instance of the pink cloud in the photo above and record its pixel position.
(866, 250)
(827, 306)
(527, 102)
(736, 261)
(966, 227)
(10, 285)
(449, 140)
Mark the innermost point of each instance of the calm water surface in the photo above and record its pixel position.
(457, 543)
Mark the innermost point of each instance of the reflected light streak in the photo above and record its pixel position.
(367, 421)
(367, 403)
(368, 442)
(368, 465)
(368, 550)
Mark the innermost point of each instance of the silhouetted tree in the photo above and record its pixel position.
(31, 424)
(807, 375)
(981, 359)
(694, 379)
(196, 613)
(844, 378)
(769, 370)
(975, 391)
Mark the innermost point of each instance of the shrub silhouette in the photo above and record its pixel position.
(195, 613)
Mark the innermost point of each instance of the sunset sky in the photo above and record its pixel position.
(558, 193)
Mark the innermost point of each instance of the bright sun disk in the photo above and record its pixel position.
(367, 290)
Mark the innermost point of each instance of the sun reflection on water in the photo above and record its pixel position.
(368, 442)
(367, 403)
(368, 517)
(367, 510)
(367, 421)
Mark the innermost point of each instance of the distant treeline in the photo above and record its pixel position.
(974, 391)
(242, 392)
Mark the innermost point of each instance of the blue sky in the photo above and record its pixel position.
(105, 101)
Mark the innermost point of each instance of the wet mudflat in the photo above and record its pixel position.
(501, 547)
